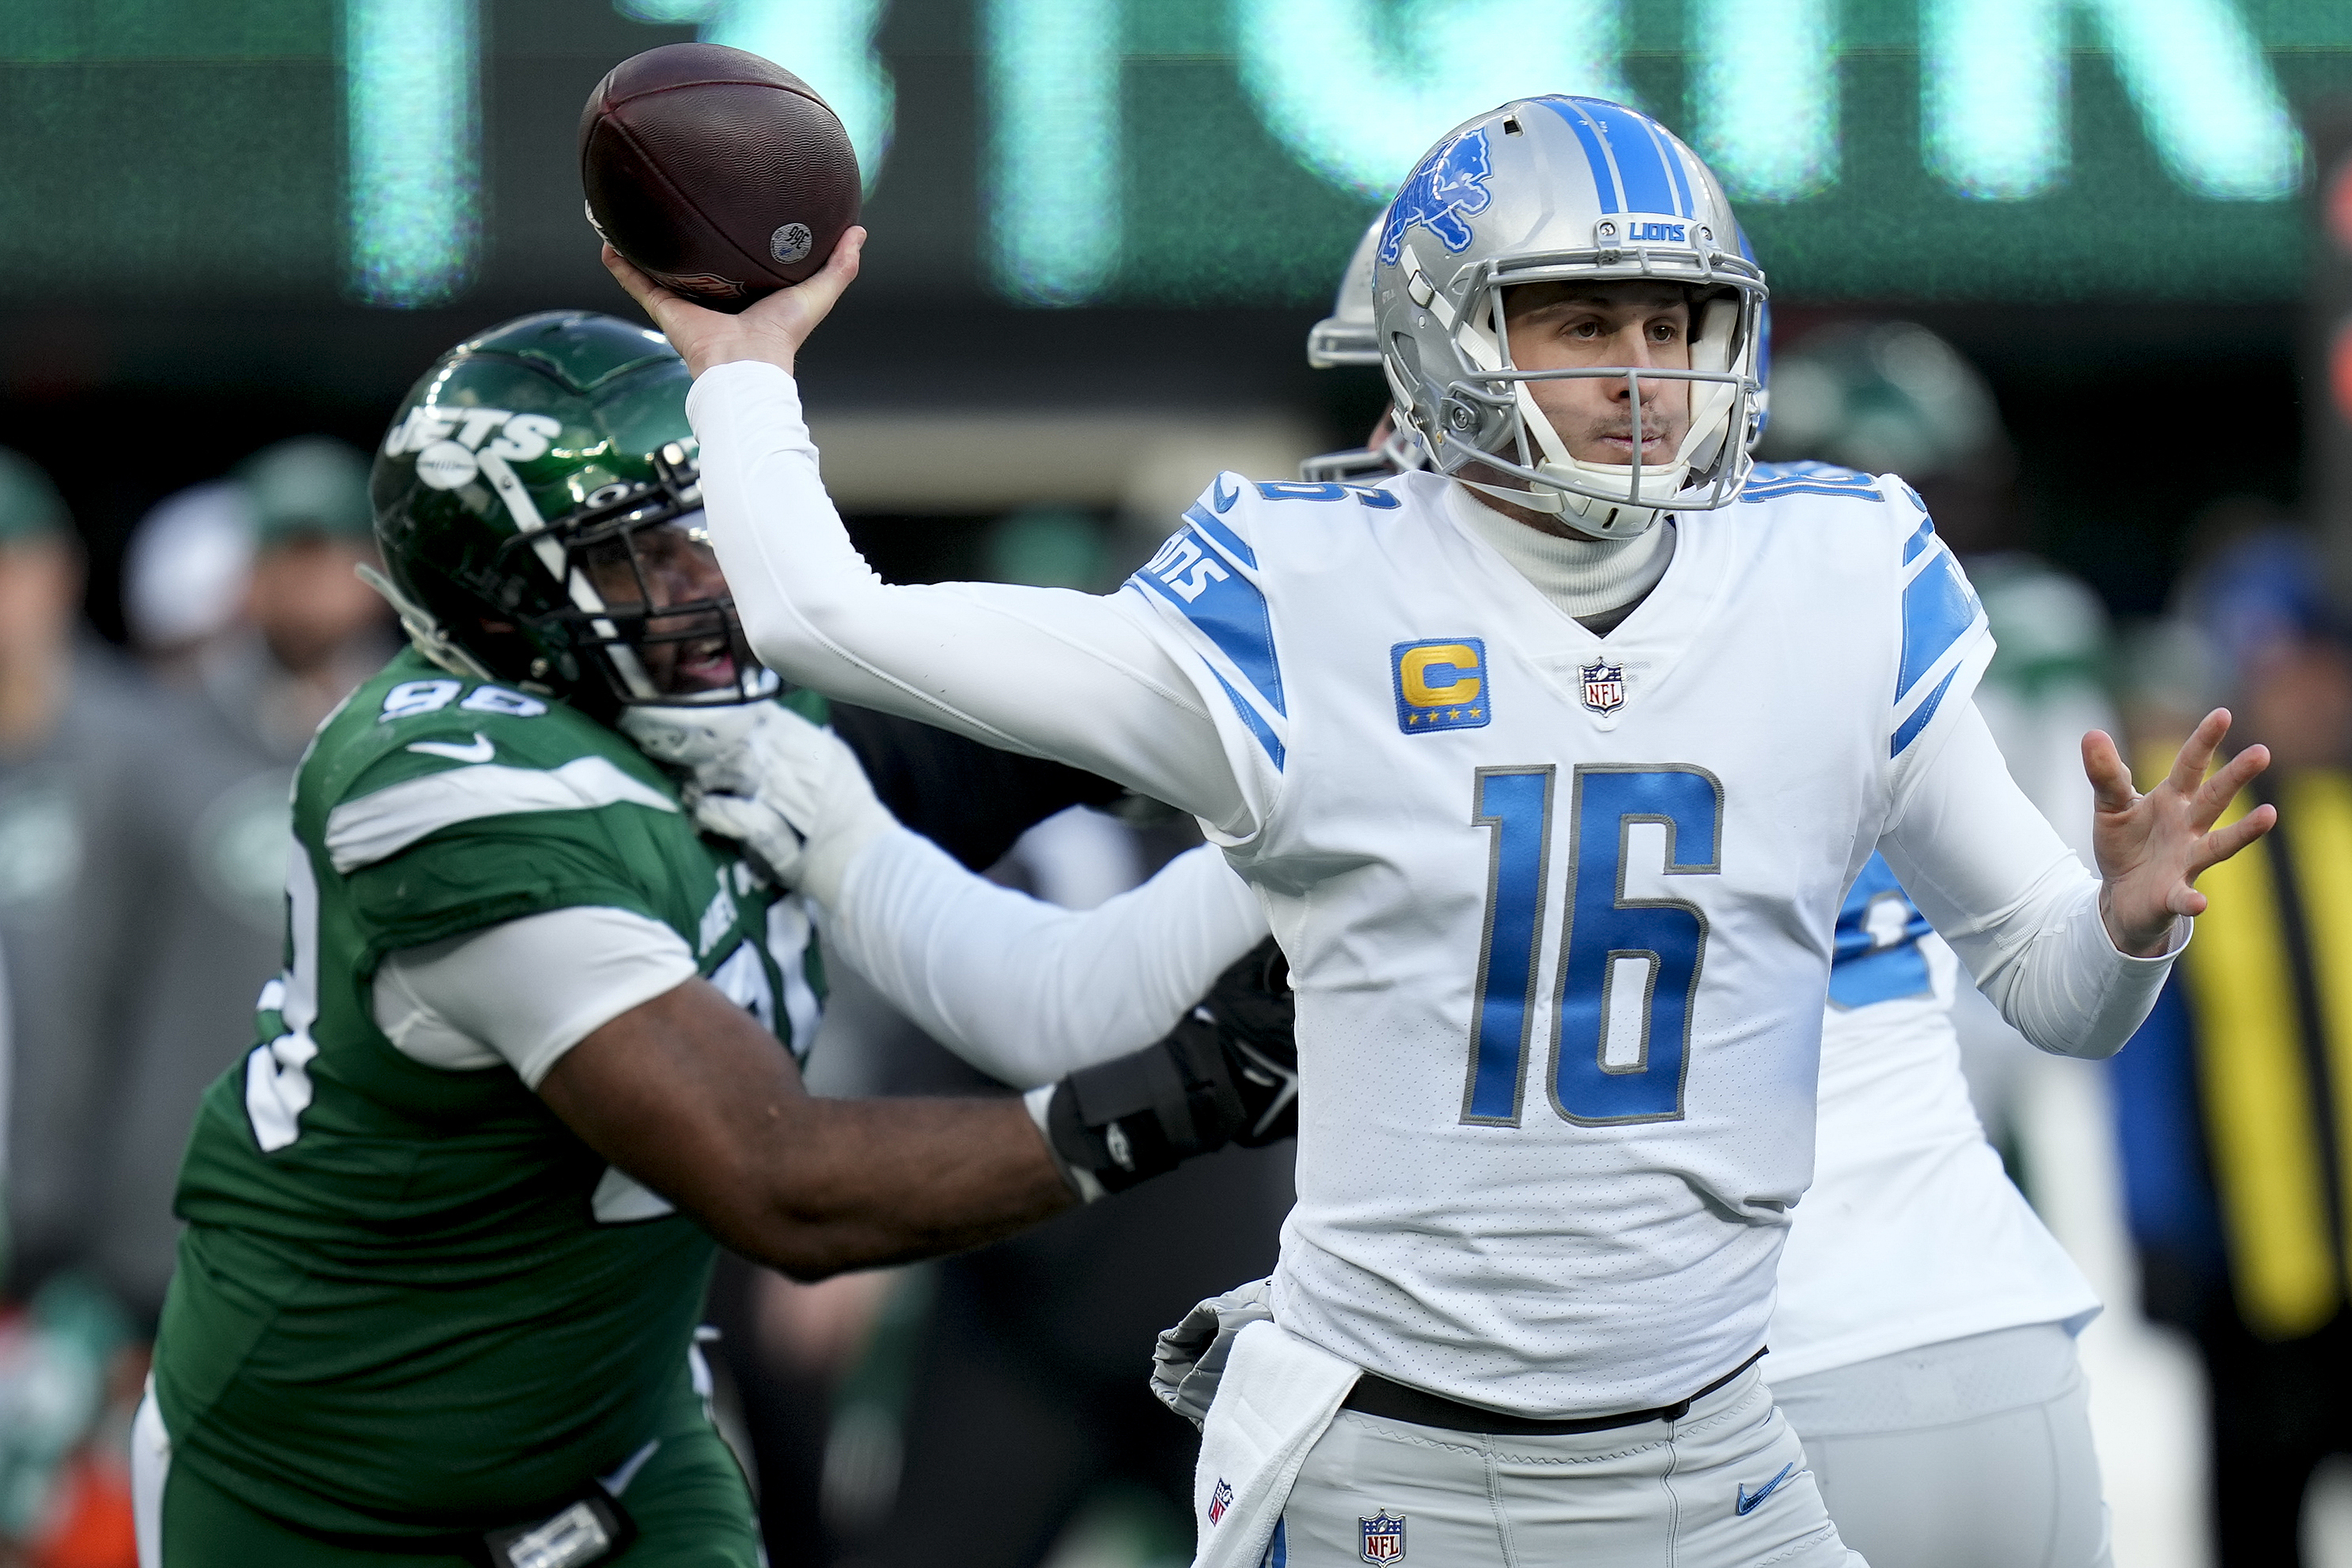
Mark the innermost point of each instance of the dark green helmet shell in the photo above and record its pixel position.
(500, 455)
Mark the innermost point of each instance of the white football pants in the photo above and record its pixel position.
(1725, 1487)
(1974, 1453)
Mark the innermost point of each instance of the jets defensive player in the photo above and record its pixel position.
(1551, 809)
(433, 1301)
(1923, 1339)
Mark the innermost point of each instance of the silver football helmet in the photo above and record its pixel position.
(1548, 190)
(1345, 337)
(1395, 452)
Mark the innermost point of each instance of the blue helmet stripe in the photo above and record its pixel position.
(1641, 158)
(1604, 175)
(1683, 203)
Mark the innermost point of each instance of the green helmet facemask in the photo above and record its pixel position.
(540, 516)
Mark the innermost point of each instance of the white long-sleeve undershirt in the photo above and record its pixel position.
(1072, 676)
(1024, 990)
(1998, 883)
(1117, 703)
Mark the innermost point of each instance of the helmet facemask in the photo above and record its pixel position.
(1493, 419)
(648, 603)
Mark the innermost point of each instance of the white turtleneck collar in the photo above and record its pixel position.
(1596, 582)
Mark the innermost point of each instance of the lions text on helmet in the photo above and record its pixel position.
(1565, 318)
(540, 511)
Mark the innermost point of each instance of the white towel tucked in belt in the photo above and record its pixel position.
(1277, 1394)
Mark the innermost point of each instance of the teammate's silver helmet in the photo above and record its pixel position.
(1345, 337)
(1547, 190)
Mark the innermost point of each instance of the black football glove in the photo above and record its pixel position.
(1227, 1074)
(1255, 1011)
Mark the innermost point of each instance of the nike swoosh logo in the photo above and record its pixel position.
(481, 750)
(1747, 1503)
(1225, 498)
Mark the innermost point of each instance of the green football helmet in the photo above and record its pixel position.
(540, 515)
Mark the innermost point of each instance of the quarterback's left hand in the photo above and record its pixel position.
(2152, 847)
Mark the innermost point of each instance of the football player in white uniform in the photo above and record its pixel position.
(1552, 809)
(1924, 1339)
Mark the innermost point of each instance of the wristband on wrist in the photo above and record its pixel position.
(1039, 1102)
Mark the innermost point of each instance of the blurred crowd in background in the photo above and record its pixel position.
(992, 1409)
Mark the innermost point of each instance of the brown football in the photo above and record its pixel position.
(720, 173)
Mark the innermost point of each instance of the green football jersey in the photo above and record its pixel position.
(409, 1299)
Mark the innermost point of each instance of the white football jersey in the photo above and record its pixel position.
(1911, 1234)
(1559, 907)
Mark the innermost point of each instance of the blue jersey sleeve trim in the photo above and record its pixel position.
(1908, 730)
(1918, 541)
(1257, 724)
(1227, 607)
(1232, 543)
(1937, 611)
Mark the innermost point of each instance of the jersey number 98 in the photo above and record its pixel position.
(1629, 968)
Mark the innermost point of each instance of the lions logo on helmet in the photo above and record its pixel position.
(540, 518)
(1450, 182)
(1553, 190)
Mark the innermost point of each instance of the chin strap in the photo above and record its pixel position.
(425, 633)
(1575, 512)
(1549, 502)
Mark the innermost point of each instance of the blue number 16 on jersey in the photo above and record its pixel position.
(1630, 969)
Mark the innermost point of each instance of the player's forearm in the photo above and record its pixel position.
(1045, 671)
(692, 1097)
(2022, 911)
(863, 1183)
(1022, 989)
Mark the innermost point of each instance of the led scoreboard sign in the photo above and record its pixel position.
(412, 153)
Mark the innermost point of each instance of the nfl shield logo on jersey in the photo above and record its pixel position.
(1220, 1501)
(1384, 1538)
(1604, 686)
